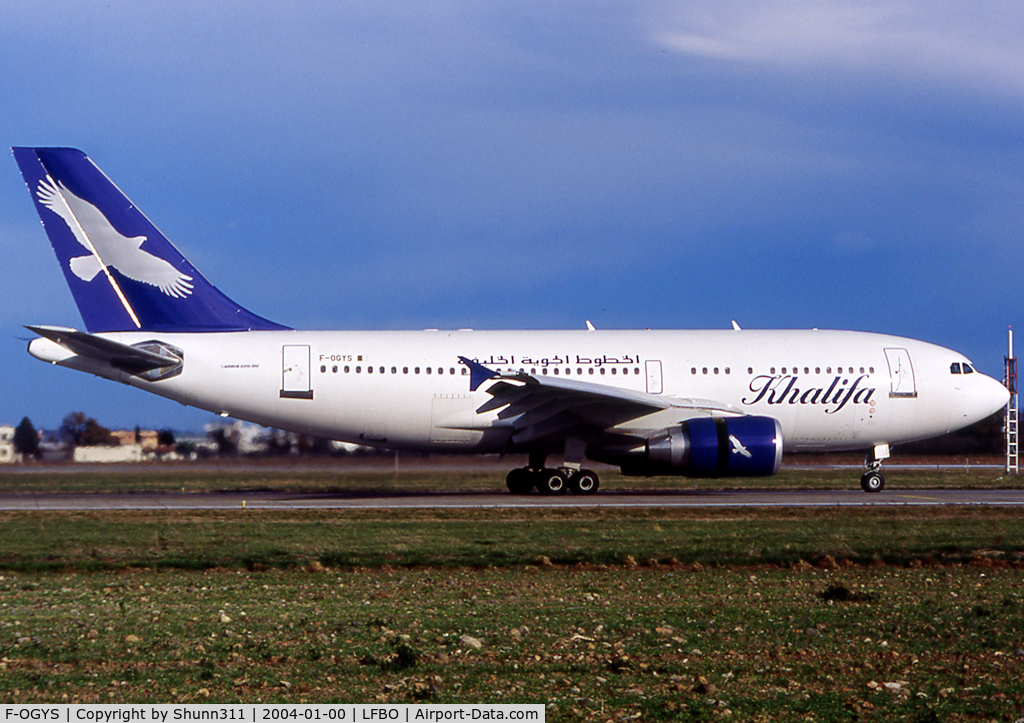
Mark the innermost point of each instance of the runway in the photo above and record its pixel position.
(487, 500)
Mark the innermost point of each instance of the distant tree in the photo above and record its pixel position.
(83, 431)
(314, 446)
(279, 443)
(227, 443)
(73, 426)
(26, 439)
(165, 438)
(96, 434)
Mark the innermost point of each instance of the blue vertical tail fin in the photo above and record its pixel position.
(123, 273)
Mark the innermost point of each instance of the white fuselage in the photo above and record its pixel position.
(830, 390)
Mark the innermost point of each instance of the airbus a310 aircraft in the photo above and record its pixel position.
(715, 403)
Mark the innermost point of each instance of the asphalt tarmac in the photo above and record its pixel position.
(481, 500)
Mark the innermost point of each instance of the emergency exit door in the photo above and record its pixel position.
(653, 369)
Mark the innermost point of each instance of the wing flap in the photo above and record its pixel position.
(542, 429)
(539, 407)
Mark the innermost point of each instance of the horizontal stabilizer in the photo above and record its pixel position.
(120, 356)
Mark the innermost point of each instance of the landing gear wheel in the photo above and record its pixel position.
(583, 482)
(552, 482)
(520, 481)
(872, 482)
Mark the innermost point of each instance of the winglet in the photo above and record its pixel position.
(478, 373)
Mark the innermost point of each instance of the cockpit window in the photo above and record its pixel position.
(967, 369)
(954, 368)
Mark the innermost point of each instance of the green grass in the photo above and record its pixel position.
(609, 644)
(848, 614)
(250, 539)
(379, 474)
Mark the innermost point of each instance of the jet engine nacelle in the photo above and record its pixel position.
(715, 447)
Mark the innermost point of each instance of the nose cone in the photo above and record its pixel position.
(980, 396)
(992, 396)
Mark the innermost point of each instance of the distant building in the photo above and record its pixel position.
(7, 452)
(133, 445)
(137, 445)
(145, 438)
(241, 437)
(193, 446)
(52, 448)
(111, 453)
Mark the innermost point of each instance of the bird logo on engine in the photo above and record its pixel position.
(738, 448)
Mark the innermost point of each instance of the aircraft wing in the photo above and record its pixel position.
(542, 406)
(120, 356)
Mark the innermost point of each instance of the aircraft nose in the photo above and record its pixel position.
(984, 397)
(993, 396)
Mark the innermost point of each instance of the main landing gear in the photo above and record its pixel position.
(571, 476)
(872, 480)
(522, 480)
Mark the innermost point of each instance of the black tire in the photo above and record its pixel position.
(872, 482)
(584, 482)
(552, 482)
(520, 481)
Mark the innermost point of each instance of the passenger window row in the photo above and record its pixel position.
(347, 369)
(955, 368)
(789, 370)
(589, 371)
(394, 370)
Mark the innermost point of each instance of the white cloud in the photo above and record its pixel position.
(980, 42)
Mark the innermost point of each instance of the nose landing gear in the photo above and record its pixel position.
(872, 480)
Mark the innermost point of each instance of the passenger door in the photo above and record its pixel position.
(901, 373)
(295, 377)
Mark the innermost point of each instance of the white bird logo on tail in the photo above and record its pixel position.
(107, 246)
